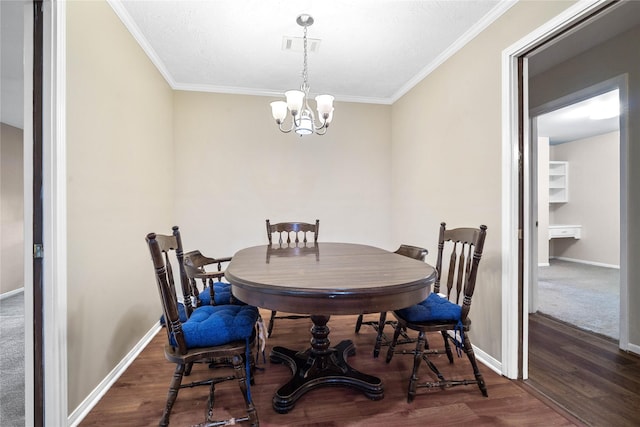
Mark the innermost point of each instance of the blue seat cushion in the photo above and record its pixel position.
(433, 308)
(212, 325)
(221, 294)
(182, 314)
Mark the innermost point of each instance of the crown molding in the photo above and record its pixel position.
(488, 19)
(128, 22)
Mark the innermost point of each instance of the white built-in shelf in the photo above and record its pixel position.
(558, 182)
(560, 231)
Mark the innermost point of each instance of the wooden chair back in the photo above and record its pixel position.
(194, 266)
(292, 231)
(463, 248)
(414, 252)
(294, 234)
(161, 247)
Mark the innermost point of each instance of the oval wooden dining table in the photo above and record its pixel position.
(326, 279)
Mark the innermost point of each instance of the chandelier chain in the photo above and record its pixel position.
(305, 75)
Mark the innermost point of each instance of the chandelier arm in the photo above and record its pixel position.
(294, 124)
(322, 126)
(285, 130)
(322, 130)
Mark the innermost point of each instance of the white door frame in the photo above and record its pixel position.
(27, 51)
(511, 315)
(54, 217)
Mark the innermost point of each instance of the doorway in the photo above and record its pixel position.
(582, 32)
(587, 44)
(578, 256)
(30, 38)
(15, 143)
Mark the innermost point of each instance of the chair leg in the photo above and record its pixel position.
(447, 346)
(468, 349)
(392, 346)
(252, 366)
(241, 375)
(271, 320)
(381, 323)
(187, 369)
(174, 387)
(211, 402)
(359, 323)
(417, 358)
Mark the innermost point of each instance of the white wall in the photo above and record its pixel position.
(594, 200)
(11, 209)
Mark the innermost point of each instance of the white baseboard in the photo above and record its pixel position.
(580, 261)
(11, 293)
(543, 264)
(481, 356)
(493, 364)
(633, 348)
(94, 397)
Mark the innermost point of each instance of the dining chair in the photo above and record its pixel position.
(215, 291)
(446, 309)
(290, 234)
(216, 336)
(414, 252)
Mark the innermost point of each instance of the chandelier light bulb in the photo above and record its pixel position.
(329, 118)
(295, 99)
(279, 110)
(324, 105)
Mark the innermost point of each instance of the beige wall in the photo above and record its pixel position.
(594, 199)
(234, 169)
(382, 175)
(618, 56)
(120, 187)
(446, 162)
(11, 209)
(213, 173)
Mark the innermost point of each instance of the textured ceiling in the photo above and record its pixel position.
(580, 120)
(370, 51)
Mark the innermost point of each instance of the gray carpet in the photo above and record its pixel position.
(580, 294)
(12, 361)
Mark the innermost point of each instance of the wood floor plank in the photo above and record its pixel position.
(584, 373)
(139, 395)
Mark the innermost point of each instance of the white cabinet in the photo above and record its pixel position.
(558, 182)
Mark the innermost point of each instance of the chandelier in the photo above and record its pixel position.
(303, 120)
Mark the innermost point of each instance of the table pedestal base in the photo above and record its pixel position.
(319, 366)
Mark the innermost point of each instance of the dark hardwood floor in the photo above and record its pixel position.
(138, 397)
(584, 373)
